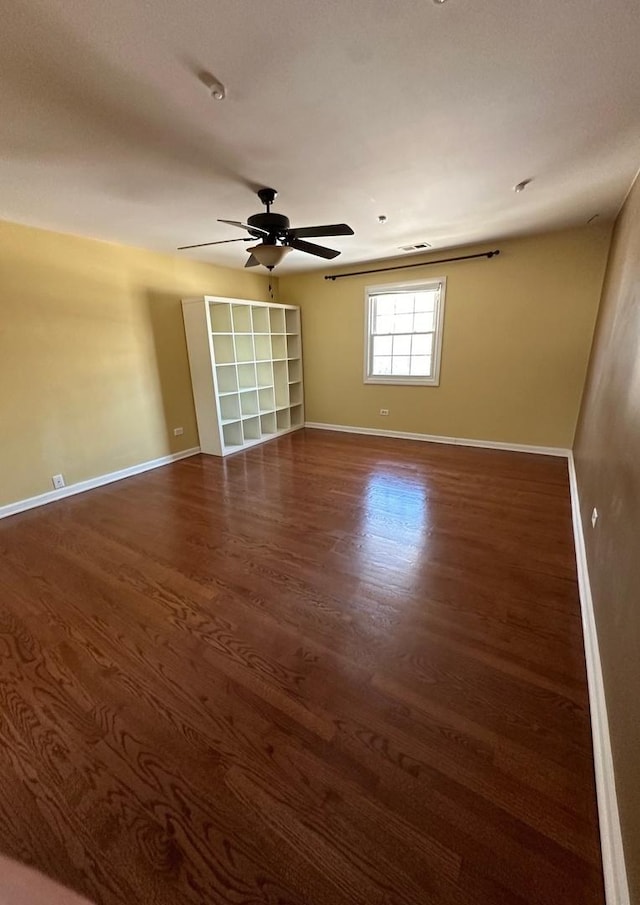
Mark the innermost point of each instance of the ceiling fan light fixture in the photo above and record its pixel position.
(269, 255)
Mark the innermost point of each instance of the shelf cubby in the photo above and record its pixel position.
(246, 370)
(223, 349)
(295, 394)
(292, 320)
(280, 383)
(279, 347)
(230, 407)
(295, 370)
(260, 320)
(220, 314)
(264, 374)
(227, 378)
(262, 345)
(249, 402)
(232, 434)
(247, 376)
(268, 423)
(293, 347)
(241, 318)
(244, 347)
(251, 429)
(266, 399)
(276, 320)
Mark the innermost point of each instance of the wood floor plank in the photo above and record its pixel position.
(328, 670)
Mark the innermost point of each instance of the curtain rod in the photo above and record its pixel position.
(359, 273)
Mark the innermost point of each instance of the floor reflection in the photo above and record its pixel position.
(394, 521)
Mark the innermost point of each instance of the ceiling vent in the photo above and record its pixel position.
(419, 246)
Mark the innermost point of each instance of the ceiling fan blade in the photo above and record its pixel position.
(252, 229)
(312, 249)
(252, 261)
(221, 242)
(332, 229)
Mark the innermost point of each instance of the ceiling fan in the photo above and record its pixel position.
(278, 238)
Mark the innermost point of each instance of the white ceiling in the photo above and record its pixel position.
(426, 113)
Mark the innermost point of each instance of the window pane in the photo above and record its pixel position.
(400, 364)
(421, 366)
(422, 344)
(402, 345)
(392, 299)
(424, 321)
(383, 324)
(404, 304)
(384, 305)
(426, 301)
(382, 345)
(403, 323)
(382, 365)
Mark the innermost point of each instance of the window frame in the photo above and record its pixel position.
(438, 332)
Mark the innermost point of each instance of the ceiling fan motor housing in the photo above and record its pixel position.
(273, 223)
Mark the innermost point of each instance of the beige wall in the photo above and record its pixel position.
(94, 373)
(517, 334)
(607, 456)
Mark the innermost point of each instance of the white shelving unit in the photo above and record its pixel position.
(246, 371)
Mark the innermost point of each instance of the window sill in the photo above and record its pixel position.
(404, 381)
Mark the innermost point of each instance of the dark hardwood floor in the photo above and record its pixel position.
(333, 669)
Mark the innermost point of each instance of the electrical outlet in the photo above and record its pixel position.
(58, 481)
(594, 517)
(178, 431)
(384, 411)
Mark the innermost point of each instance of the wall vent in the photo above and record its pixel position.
(419, 246)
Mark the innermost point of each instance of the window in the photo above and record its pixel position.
(404, 333)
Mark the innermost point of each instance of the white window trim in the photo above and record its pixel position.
(438, 333)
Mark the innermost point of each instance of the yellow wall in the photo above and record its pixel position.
(517, 335)
(94, 373)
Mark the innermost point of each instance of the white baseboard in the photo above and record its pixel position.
(613, 865)
(430, 438)
(53, 495)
